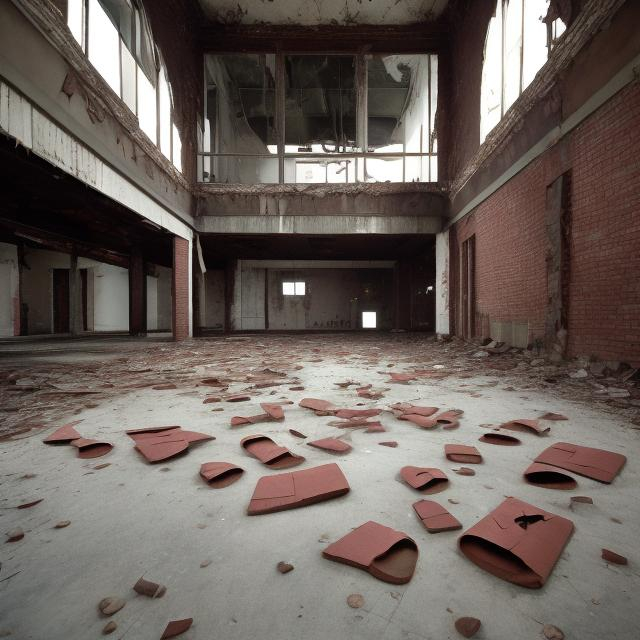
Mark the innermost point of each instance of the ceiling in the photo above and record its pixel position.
(319, 12)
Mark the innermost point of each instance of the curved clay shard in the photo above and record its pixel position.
(435, 517)
(386, 554)
(331, 444)
(597, 464)
(149, 432)
(544, 475)
(176, 628)
(449, 419)
(63, 435)
(421, 421)
(28, 505)
(467, 627)
(269, 453)
(297, 434)
(162, 449)
(517, 542)
(413, 409)
(297, 489)
(150, 589)
(426, 479)
(91, 448)
(237, 398)
(402, 378)
(553, 416)
(462, 453)
(220, 474)
(525, 425)
(390, 443)
(464, 471)
(357, 413)
(613, 557)
(374, 427)
(498, 437)
(272, 411)
(317, 405)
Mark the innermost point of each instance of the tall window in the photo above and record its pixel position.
(117, 39)
(320, 118)
(517, 46)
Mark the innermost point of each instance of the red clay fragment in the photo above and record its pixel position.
(91, 448)
(237, 398)
(553, 416)
(613, 557)
(464, 471)
(176, 628)
(63, 435)
(500, 438)
(386, 554)
(421, 421)
(402, 378)
(272, 412)
(462, 453)
(150, 589)
(467, 627)
(297, 489)
(164, 387)
(269, 453)
(349, 414)
(375, 427)
(331, 444)
(297, 434)
(317, 405)
(28, 505)
(425, 479)
(597, 464)
(147, 432)
(548, 477)
(413, 409)
(517, 542)
(391, 443)
(435, 517)
(525, 425)
(211, 399)
(220, 474)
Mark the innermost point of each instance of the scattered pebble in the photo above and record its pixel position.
(391, 443)
(467, 627)
(205, 563)
(355, 601)
(284, 567)
(62, 524)
(465, 471)
(452, 501)
(109, 606)
(551, 632)
(104, 465)
(15, 535)
(108, 628)
(582, 499)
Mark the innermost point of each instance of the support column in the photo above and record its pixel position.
(75, 297)
(442, 283)
(137, 295)
(181, 299)
(402, 293)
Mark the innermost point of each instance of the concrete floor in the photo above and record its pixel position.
(132, 519)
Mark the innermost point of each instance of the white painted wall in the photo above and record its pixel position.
(9, 283)
(442, 283)
(110, 295)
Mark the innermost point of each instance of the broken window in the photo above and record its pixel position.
(304, 118)
(517, 46)
(119, 44)
(369, 319)
(293, 288)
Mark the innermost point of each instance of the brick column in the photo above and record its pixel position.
(180, 289)
(137, 295)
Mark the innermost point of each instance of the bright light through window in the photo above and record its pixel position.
(369, 319)
(75, 19)
(104, 45)
(293, 288)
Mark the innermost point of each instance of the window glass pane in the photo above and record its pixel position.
(299, 288)
(75, 19)
(104, 45)
(320, 104)
(128, 78)
(288, 288)
(147, 108)
(434, 103)
(383, 170)
(534, 54)
(512, 45)
(165, 114)
(491, 92)
(369, 319)
(177, 148)
(144, 49)
(120, 12)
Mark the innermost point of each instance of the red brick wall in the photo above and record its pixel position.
(603, 154)
(180, 288)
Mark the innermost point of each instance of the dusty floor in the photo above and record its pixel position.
(131, 519)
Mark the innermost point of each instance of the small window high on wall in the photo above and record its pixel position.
(517, 46)
(293, 288)
(117, 39)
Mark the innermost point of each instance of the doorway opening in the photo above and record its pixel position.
(369, 319)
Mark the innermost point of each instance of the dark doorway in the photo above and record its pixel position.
(61, 300)
(83, 281)
(468, 287)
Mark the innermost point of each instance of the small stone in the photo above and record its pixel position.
(104, 465)
(201, 526)
(15, 535)
(205, 563)
(28, 476)
(481, 354)
(580, 373)
(284, 567)
(613, 557)
(391, 443)
(62, 524)
(465, 471)
(582, 499)
(109, 606)
(537, 362)
(551, 632)
(355, 601)
(452, 501)
(108, 628)
(467, 627)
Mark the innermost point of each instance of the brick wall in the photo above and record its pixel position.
(180, 288)
(604, 282)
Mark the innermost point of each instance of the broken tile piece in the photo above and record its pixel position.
(462, 453)
(284, 567)
(596, 464)
(62, 524)
(390, 443)
(551, 632)
(269, 453)
(176, 628)
(435, 517)
(108, 628)
(425, 479)
(28, 505)
(467, 627)
(613, 557)
(582, 499)
(148, 588)
(15, 535)
(332, 445)
(220, 474)
(297, 434)
(465, 471)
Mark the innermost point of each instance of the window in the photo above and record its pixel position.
(293, 288)
(369, 319)
(344, 118)
(118, 43)
(517, 46)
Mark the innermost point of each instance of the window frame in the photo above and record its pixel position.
(361, 90)
(295, 284)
